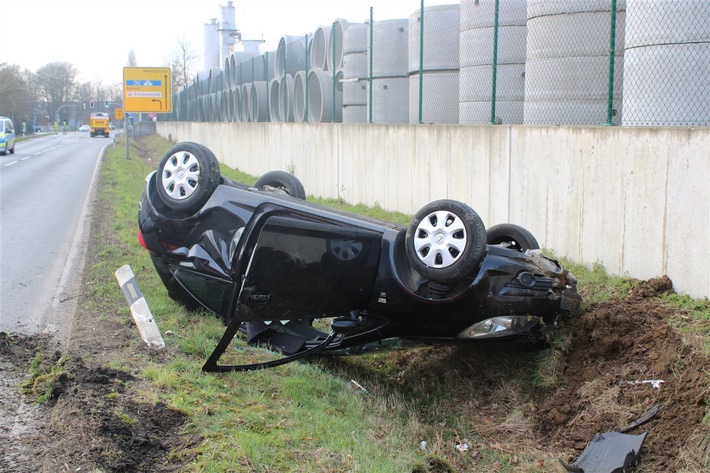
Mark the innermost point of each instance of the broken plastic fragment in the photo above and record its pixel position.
(462, 447)
(608, 452)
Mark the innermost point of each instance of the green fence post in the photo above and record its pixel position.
(266, 81)
(284, 87)
(495, 64)
(335, 79)
(369, 75)
(612, 53)
(308, 53)
(421, 59)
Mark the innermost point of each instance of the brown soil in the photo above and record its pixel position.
(94, 424)
(614, 346)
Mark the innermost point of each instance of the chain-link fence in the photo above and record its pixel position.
(549, 62)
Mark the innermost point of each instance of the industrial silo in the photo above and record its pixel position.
(667, 63)
(211, 45)
(476, 76)
(439, 65)
(567, 67)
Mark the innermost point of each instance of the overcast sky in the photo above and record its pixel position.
(95, 36)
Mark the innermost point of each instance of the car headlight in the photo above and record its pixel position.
(500, 326)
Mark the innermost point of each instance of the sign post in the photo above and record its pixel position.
(146, 89)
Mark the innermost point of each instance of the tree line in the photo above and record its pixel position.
(54, 94)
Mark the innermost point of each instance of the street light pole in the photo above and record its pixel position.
(62, 106)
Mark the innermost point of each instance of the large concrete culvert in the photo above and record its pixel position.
(299, 97)
(390, 85)
(567, 68)
(286, 98)
(335, 44)
(321, 108)
(355, 78)
(477, 39)
(318, 48)
(667, 63)
(290, 55)
(274, 95)
(439, 64)
(258, 101)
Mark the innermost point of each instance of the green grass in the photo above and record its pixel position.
(45, 375)
(295, 418)
(309, 416)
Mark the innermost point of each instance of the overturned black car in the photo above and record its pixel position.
(300, 278)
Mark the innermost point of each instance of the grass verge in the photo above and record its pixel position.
(310, 416)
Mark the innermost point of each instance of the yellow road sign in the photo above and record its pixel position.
(147, 89)
(119, 114)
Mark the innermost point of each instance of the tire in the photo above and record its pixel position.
(12, 150)
(514, 237)
(283, 181)
(187, 176)
(446, 241)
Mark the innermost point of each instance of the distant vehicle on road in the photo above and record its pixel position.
(7, 136)
(84, 128)
(99, 124)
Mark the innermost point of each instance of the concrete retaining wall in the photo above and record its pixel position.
(635, 200)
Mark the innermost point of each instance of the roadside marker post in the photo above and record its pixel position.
(139, 307)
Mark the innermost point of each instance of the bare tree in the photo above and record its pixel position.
(16, 99)
(182, 63)
(55, 84)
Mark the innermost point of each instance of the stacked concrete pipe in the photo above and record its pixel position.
(390, 85)
(285, 103)
(567, 66)
(476, 60)
(299, 97)
(318, 48)
(320, 97)
(440, 65)
(355, 78)
(274, 93)
(661, 38)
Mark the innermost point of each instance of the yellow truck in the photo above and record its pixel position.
(99, 124)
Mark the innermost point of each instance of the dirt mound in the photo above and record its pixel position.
(623, 359)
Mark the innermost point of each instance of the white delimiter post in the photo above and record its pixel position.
(139, 307)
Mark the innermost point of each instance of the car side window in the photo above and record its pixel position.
(8, 126)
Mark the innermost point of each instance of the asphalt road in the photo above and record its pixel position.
(45, 198)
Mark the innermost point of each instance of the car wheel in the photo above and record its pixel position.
(512, 236)
(187, 176)
(284, 181)
(446, 241)
(12, 150)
